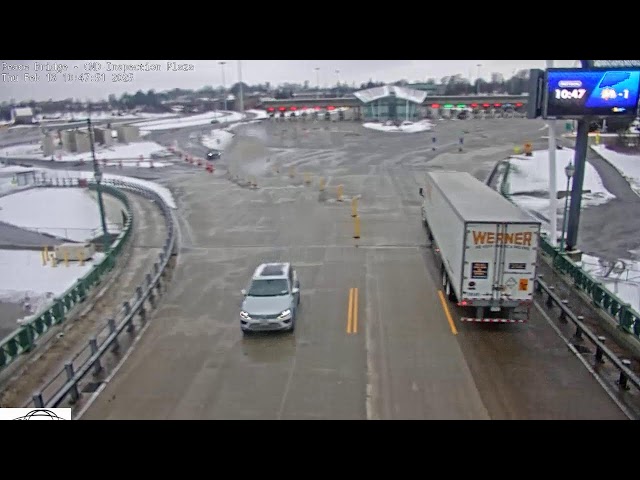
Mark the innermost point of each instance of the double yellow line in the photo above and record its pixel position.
(352, 314)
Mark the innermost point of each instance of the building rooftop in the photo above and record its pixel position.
(373, 94)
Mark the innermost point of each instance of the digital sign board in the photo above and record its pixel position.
(592, 92)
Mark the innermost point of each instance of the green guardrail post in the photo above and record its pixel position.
(38, 326)
(47, 319)
(68, 301)
(25, 338)
(58, 310)
(626, 317)
(10, 348)
(82, 290)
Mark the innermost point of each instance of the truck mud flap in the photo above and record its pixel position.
(491, 320)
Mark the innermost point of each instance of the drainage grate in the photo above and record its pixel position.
(91, 387)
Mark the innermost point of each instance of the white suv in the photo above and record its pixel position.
(271, 300)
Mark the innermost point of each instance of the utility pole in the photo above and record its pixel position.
(580, 159)
(553, 187)
(240, 83)
(224, 88)
(98, 177)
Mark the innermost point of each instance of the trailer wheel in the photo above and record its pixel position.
(450, 293)
(446, 286)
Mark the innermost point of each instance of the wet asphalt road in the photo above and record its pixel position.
(404, 360)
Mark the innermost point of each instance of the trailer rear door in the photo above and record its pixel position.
(499, 261)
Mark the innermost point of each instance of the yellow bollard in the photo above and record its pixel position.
(516, 150)
(322, 184)
(598, 138)
(292, 172)
(307, 178)
(340, 191)
(356, 227)
(66, 257)
(354, 207)
(81, 257)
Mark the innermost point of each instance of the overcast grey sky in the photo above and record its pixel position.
(209, 72)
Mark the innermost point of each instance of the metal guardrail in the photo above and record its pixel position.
(582, 331)
(64, 385)
(620, 311)
(24, 338)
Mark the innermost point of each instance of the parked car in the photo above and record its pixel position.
(213, 155)
(271, 299)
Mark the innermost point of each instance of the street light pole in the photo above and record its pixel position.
(224, 87)
(569, 170)
(98, 177)
(240, 85)
(553, 187)
(317, 69)
(478, 79)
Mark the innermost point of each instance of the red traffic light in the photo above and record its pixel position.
(497, 104)
(316, 108)
(486, 105)
(270, 109)
(282, 109)
(293, 109)
(518, 104)
(474, 105)
(435, 105)
(331, 107)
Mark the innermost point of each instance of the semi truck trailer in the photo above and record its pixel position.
(486, 247)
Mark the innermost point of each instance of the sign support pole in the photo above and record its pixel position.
(553, 187)
(580, 159)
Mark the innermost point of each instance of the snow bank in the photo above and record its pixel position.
(65, 213)
(405, 127)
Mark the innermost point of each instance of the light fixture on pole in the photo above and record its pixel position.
(569, 170)
(97, 174)
(224, 88)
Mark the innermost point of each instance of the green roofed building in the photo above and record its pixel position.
(390, 103)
